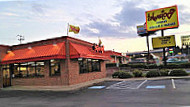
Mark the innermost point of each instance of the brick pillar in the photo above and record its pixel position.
(103, 68)
(1, 77)
(64, 74)
(46, 71)
(67, 62)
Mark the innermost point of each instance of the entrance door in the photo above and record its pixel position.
(6, 76)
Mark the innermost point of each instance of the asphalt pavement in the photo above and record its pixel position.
(137, 93)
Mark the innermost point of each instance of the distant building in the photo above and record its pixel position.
(116, 57)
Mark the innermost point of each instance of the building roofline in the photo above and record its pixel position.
(4, 45)
(49, 39)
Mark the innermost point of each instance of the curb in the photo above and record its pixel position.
(81, 86)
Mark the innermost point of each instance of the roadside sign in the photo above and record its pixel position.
(163, 42)
(162, 18)
(185, 40)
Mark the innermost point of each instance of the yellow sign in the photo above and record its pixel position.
(162, 42)
(162, 18)
(185, 40)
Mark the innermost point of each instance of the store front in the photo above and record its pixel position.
(58, 61)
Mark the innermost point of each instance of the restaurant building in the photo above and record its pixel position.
(57, 61)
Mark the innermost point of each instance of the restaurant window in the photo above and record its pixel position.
(29, 69)
(23, 70)
(40, 67)
(96, 65)
(55, 67)
(89, 65)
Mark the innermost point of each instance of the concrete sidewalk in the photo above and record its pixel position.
(83, 85)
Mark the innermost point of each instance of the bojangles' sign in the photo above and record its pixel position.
(162, 18)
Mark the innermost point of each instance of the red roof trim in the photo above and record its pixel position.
(43, 52)
(33, 59)
(81, 51)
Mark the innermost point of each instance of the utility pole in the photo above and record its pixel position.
(20, 38)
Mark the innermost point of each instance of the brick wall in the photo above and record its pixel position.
(46, 80)
(75, 77)
(3, 51)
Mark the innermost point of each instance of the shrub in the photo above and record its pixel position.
(137, 73)
(151, 66)
(123, 65)
(164, 72)
(121, 74)
(115, 74)
(178, 72)
(137, 65)
(172, 66)
(153, 73)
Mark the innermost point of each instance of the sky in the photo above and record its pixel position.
(113, 21)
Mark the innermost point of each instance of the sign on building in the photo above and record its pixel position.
(162, 18)
(185, 40)
(163, 42)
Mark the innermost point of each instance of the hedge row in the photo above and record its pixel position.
(152, 73)
(152, 66)
(176, 72)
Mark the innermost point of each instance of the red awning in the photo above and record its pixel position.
(36, 53)
(81, 51)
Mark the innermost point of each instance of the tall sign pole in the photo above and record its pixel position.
(164, 55)
(141, 31)
(147, 40)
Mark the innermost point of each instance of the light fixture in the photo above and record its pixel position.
(29, 47)
(9, 51)
(79, 59)
(54, 44)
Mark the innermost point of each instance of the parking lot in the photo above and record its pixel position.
(137, 93)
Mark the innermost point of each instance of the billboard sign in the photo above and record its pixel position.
(163, 18)
(163, 42)
(141, 30)
(185, 40)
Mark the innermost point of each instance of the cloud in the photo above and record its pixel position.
(183, 14)
(122, 24)
(131, 14)
(104, 29)
(9, 14)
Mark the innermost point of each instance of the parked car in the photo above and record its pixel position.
(176, 60)
(137, 61)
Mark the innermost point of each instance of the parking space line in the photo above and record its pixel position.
(173, 84)
(127, 85)
(141, 84)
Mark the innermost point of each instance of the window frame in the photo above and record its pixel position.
(59, 68)
(84, 68)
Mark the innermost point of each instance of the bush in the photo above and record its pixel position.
(137, 73)
(164, 72)
(115, 74)
(137, 65)
(151, 66)
(153, 73)
(121, 74)
(178, 72)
